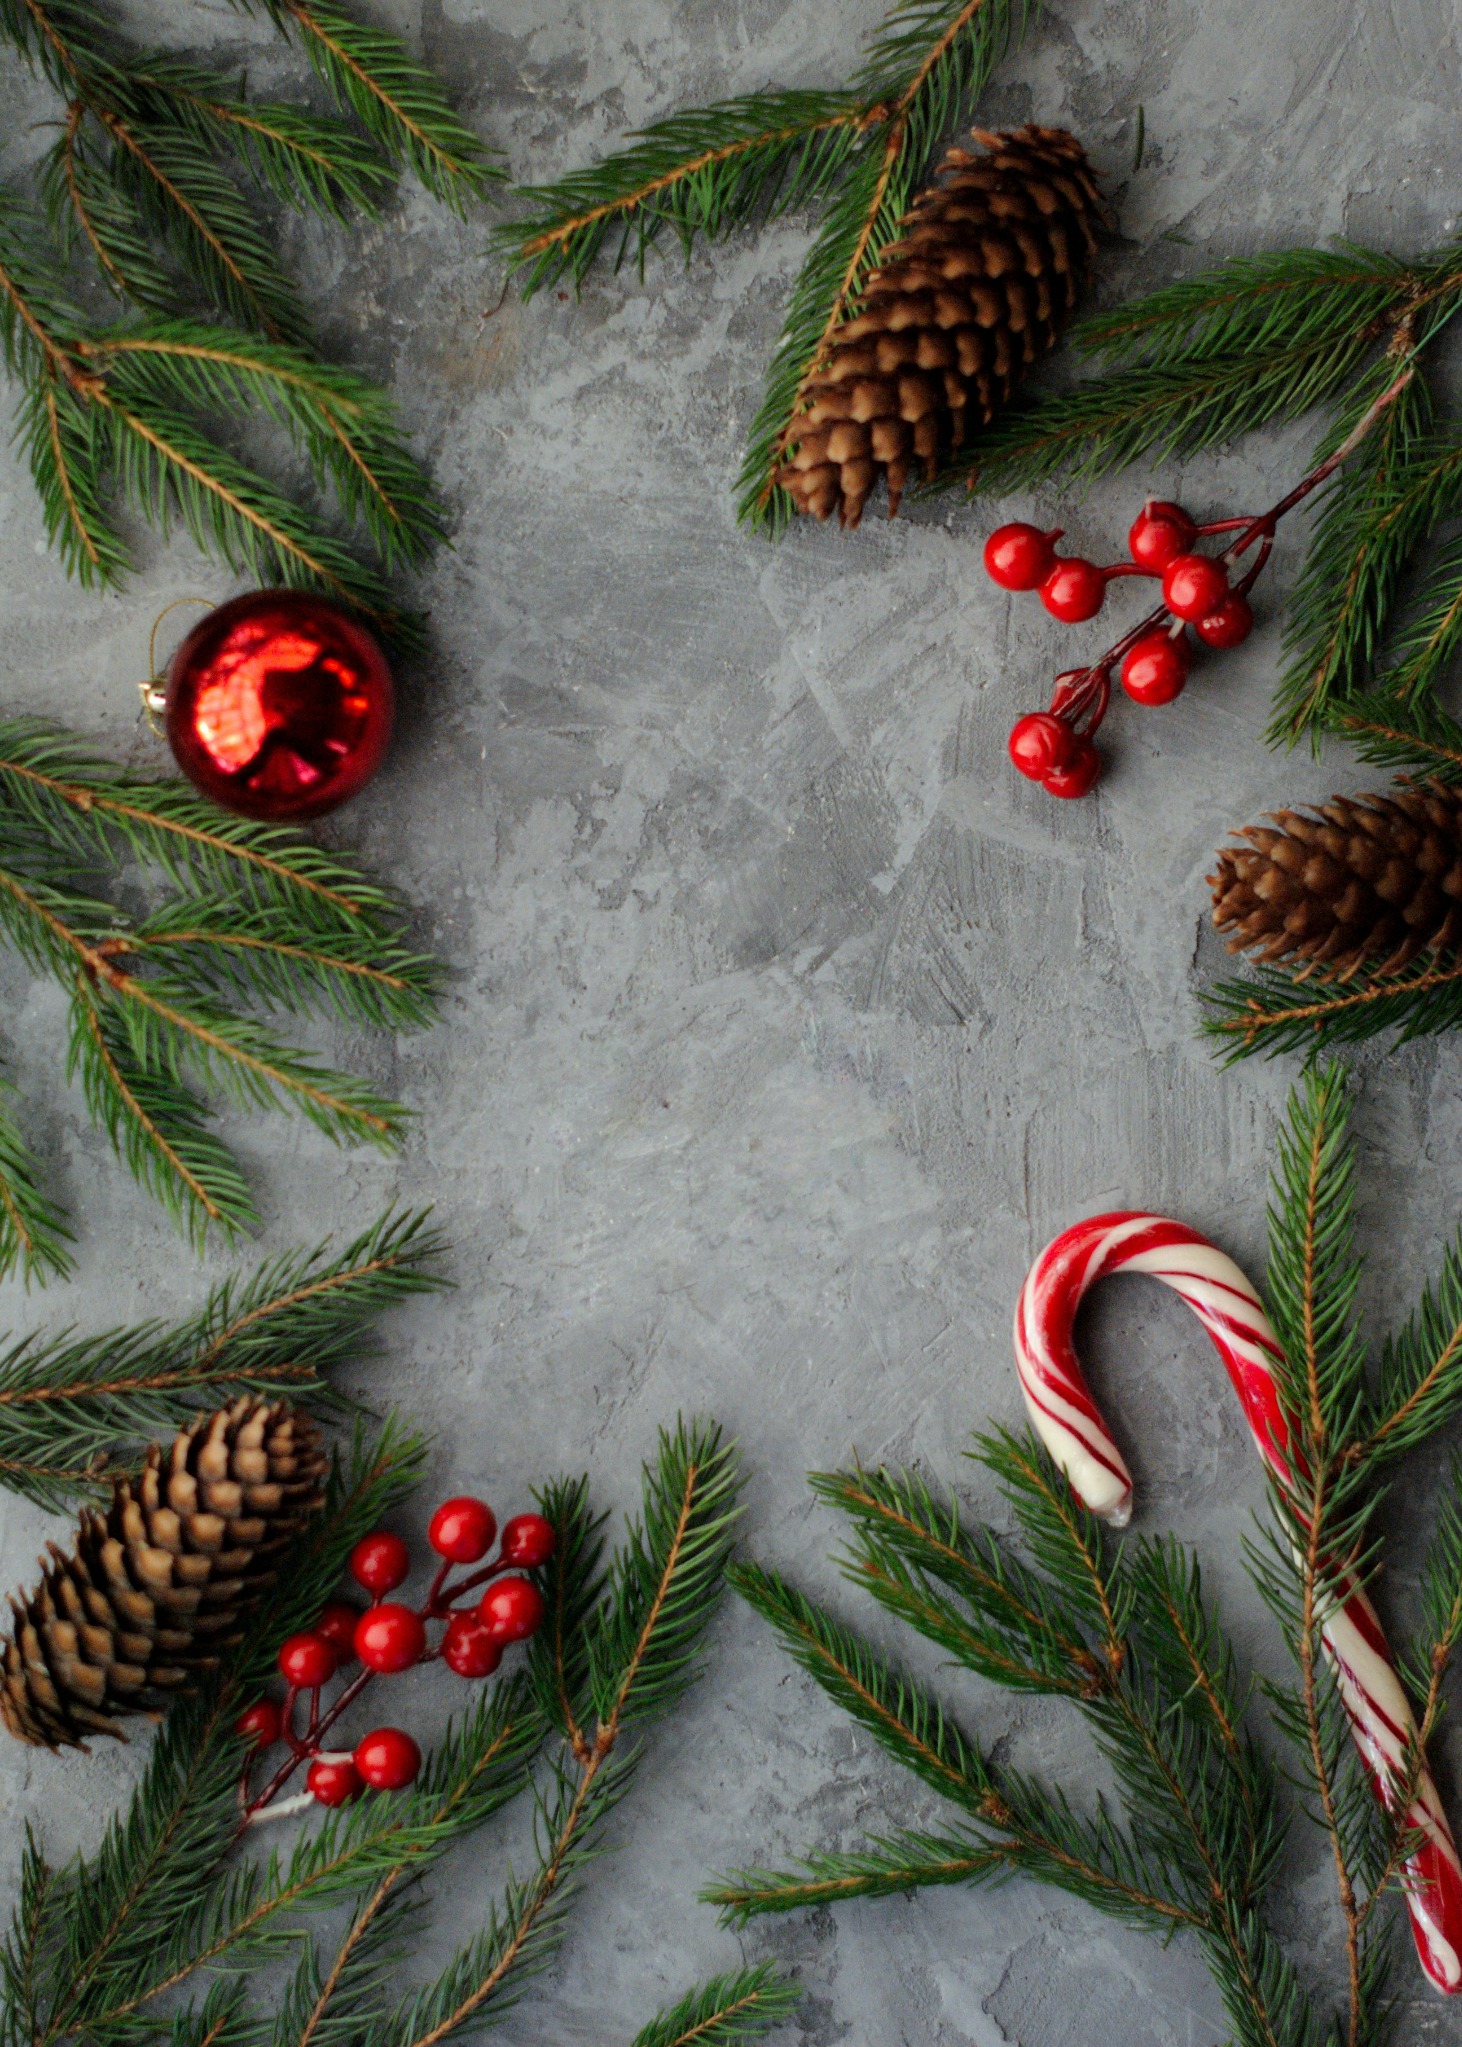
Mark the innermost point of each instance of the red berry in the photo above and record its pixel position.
(1039, 743)
(528, 1541)
(390, 1637)
(388, 1759)
(260, 1723)
(1155, 670)
(1159, 534)
(334, 1783)
(337, 1624)
(512, 1609)
(1229, 626)
(307, 1661)
(469, 1648)
(1193, 585)
(462, 1530)
(380, 1562)
(1019, 557)
(1074, 590)
(1079, 774)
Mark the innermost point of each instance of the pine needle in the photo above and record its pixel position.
(169, 998)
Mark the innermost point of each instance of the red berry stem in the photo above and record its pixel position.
(302, 1754)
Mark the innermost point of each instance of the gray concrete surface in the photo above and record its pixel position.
(787, 1024)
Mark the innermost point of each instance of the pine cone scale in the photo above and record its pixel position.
(989, 263)
(1370, 881)
(159, 1586)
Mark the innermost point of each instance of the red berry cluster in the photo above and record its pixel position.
(1054, 747)
(388, 1636)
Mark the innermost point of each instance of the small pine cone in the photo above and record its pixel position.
(1372, 881)
(991, 261)
(159, 1586)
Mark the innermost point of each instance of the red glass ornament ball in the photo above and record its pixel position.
(262, 1723)
(1074, 590)
(1079, 774)
(380, 1562)
(513, 1609)
(337, 1624)
(334, 1783)
(388, 1759)
(279, 705)
(1229, 626)
(1193, 585)
(1155, 669)
(1020, 557)
(462, 1530)
(1040, 743)
(470, 1649)
(1159, 534)
(307, 1661)
(390, 1638)
(528, 1541)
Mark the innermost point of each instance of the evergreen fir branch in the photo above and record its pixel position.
(174, 1035)
(159, 1004)
(169, 467)
(56, 435)
(1152, 412)
(343, 424)
(185, 200)
(81, 806)
(399, 104)
(726, 2011)
(886, 1866)
(85, 207)
(211, 947)
(156, 1126)
(1270, 1013)
(1413, 737)
(901, 1717)
(1255, 304)
(1313, 1271)
(1001, 1620)
(1419, 1381)
(663, 1582)
(573, 1585)
(705, 172)
(1065, 1540)
(33, 1231)
(313, 163)
(1379, 506)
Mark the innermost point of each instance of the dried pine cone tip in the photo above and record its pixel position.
(1368, 881)
(989, 263)
(159, 1584)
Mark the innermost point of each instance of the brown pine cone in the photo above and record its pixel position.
(991, 260)
(160, 1585)
(1373, 881)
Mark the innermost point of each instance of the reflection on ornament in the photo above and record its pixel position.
(279, 705)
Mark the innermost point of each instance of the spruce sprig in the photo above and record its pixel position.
(157, 1933)
(251, 923)
(864, 149)
(74, 1409)
(1124, 1632)
(154, 190)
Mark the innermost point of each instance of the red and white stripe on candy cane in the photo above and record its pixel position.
(1072, 1427)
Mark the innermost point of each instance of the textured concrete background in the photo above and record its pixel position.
(787, 1023)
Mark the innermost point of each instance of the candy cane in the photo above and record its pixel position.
(1071, 1426)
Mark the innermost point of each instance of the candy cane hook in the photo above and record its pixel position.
(1072, 1428)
